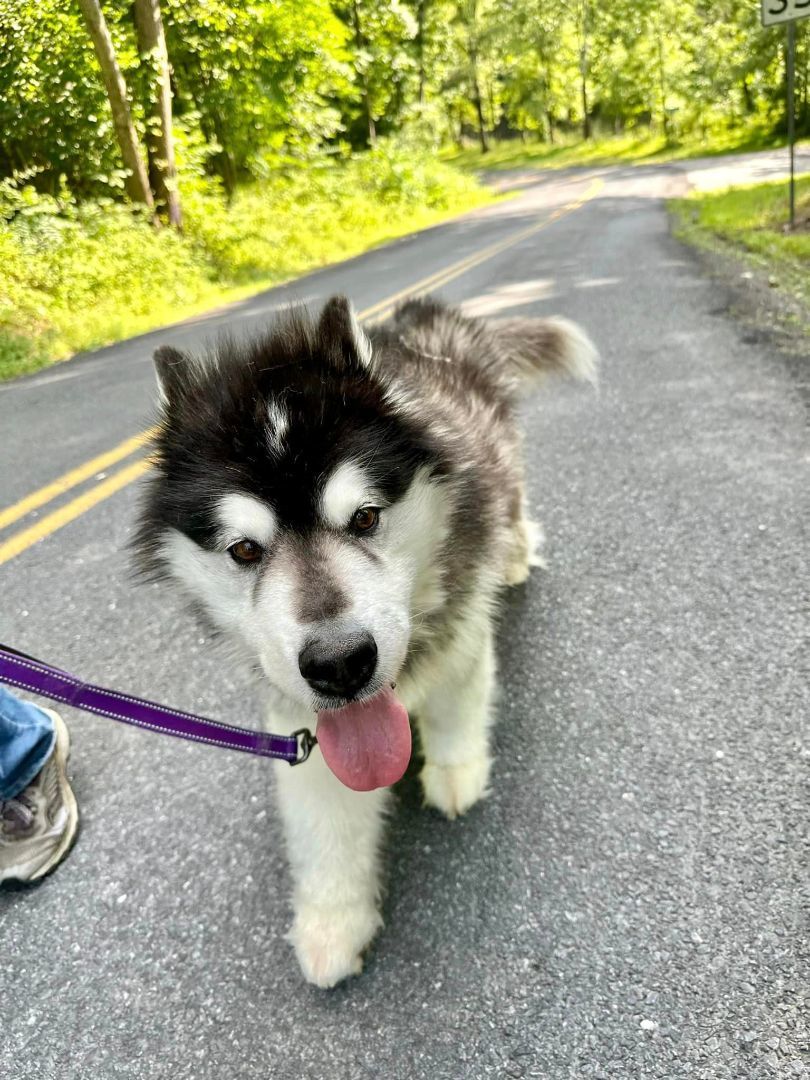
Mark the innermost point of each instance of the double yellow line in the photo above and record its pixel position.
(108, 485)
(381, 311)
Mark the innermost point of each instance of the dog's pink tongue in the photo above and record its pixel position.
(366, 744)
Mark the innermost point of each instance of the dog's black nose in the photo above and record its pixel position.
(339, 668)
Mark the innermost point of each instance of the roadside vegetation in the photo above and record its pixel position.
(750, 224)
(158, 157)
(75, 275)
(635, 146)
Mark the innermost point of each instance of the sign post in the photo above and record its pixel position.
(788, 11)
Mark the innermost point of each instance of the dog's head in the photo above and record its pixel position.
(298, 505)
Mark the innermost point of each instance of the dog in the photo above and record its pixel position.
(345, 507)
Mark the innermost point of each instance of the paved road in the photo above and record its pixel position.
(710, 173)
(701, 174)
(633, 899)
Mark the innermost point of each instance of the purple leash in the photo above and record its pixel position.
(25, 672)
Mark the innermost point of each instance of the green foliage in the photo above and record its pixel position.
(751, 221)
(383, 64)
(260, 78)
(637, 145)
(320, 214)
(273, 99)
(54, 116)
(755, 216)
(75, 276)
(270, 82)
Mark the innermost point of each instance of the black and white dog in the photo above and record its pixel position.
(345, 508)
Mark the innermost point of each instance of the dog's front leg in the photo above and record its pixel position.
(333, 837)
(454, 723)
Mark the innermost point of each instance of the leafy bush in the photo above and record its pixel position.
(75, 276)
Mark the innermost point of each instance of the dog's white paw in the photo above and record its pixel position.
(453, 789)
(329, 940)
(536, 542)
(517, 572)
(526, 553)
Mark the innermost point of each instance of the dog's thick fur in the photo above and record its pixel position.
(279, 442)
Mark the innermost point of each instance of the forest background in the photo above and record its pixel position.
(159, 158)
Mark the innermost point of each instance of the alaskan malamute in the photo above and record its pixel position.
(345, 508)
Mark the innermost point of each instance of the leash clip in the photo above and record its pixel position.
(306, 740)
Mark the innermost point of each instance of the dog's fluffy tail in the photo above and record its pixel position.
(529, 349)
(515, 353)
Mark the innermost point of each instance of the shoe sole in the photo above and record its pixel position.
(62, 752)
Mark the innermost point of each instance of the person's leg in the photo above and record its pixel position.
(27, 738)
(38, 812)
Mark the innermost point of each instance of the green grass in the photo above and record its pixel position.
(76, 277)
(751, 221)
(631, 148)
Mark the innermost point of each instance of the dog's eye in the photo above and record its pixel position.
(245, 551)
(365, 520)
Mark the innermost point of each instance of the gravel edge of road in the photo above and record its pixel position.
(771, 311)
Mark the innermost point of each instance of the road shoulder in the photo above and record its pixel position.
(771, 302)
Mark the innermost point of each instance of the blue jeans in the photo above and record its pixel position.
(27, 737)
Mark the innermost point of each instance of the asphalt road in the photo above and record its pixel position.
(633, 898)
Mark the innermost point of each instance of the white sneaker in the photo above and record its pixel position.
(38, 827)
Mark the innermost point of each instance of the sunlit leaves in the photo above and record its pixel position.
(263, 83)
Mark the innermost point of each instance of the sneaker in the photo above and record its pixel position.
(38, 827)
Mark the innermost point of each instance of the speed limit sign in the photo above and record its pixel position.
(788, 11)
(779, 11)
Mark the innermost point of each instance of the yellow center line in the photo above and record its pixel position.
(70, 479)
(19, 541)
(23, 539)
(379, 310)
(384, 308)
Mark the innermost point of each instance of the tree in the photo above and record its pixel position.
(421, 21)
(159, 137)
(137, 182)
(527, 37)
(583, 68)
(45, 130)
(260, 81)
(384, 57)
(255, 86)
(363, 61)
(468, 15)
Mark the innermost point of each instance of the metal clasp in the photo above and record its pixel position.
(306, 740)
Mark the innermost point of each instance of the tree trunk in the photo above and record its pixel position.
(222, 162)
(662, 86)
(547, 84)
(360, 43)
(420, 47)
(493, 120)
(460, 129)
(479, 109)
(137, 182)
(583, 70)
(159, 137)
(586, 120)
(748, 100)
(468, 15)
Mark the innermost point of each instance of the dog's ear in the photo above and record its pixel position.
(341, 336)
(172, 370)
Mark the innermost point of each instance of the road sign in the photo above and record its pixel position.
(788, 11)
(779, 11)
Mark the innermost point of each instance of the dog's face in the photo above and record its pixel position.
(298, 507)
